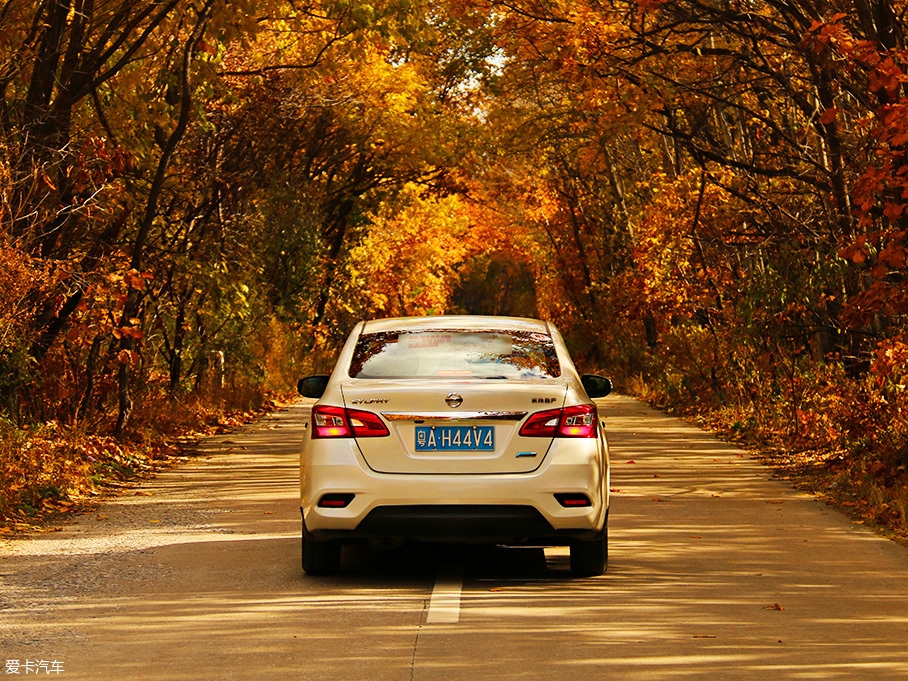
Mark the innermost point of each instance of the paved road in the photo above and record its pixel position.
(716, 572)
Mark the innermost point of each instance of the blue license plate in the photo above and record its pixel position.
(455, 438)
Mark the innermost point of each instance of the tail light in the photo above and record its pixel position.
(576, 421)
(366, 424)
(579, 421)
(340, 422)
(330, 422)
(542, 424)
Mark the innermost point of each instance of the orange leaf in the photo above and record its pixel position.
(828, 116)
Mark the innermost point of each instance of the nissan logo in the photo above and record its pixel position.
(454, 400)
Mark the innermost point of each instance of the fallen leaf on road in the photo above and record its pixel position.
(657, 475)
(696, 536)
(774, 606)
(632, 461)
(144, 494)
(658, 499)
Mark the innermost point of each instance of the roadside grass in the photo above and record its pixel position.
(844, 445)
(50, 469)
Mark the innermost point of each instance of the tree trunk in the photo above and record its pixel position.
(133, 301)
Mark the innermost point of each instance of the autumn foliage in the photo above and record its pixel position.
(197, 201)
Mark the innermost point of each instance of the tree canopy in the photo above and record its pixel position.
(199, 198)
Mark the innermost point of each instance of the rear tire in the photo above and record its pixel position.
(590, 558)
(319, 557)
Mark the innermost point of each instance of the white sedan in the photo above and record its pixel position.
(460, 429)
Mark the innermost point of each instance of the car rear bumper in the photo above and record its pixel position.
(501, 508)
(459, 523)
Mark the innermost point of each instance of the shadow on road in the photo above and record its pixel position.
(716, 572)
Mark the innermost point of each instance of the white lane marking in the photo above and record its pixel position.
(444, 604)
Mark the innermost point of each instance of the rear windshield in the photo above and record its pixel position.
(455, 354)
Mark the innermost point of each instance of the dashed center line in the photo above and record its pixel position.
(444, 604)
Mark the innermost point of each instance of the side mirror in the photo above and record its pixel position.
(596, 386)
(312, 386)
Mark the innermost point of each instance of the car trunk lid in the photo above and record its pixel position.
(452, 427)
